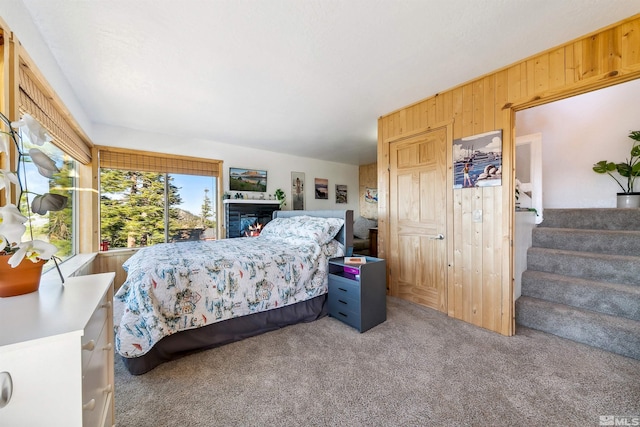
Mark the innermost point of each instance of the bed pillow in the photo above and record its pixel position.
(321, 230)
(362, 225)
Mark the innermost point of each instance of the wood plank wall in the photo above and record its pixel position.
(480, 259)
(368, 178)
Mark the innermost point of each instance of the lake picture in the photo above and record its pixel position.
(477, 160)
(247, 180)
(322, 188)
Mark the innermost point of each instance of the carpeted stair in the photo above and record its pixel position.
(583, 278)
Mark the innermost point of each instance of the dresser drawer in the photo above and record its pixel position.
(96, 390)
(96, 322)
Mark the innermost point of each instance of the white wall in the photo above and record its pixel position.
(578, 132)
(278, 166)
(15, 14)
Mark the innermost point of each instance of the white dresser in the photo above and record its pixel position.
(56, 355)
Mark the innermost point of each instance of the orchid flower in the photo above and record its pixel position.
(8, 178)
(34, 250)
(48, 202)
(33, 129)
(12, 222)
(46, 166)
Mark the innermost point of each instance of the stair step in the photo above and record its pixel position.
(600, 267)
(620, 242)
(615, 334)
(609, 298)
(597, 218)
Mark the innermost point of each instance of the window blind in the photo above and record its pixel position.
(114, 158)
(34, 101)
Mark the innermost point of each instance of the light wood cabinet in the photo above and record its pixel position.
(56, 353)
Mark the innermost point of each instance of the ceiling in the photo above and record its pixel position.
(303, 77)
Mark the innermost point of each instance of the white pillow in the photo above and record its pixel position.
(321, 230)
(362, 225)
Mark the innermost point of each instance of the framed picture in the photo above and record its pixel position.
(247, 180)
(297, 190)
(322, 188)
(477, 160)
(341, 193)
(371, 195)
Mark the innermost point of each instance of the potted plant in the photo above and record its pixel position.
(21, 261)
(281, 197)
(629, 169)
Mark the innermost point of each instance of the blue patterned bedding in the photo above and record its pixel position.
(178, 286)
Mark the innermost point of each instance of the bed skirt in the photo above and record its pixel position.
(216, 334)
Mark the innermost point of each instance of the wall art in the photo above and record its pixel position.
(247, 180)
(297, 190)
(322, 188)
(341, 193)
(371, 195)
(477, 160)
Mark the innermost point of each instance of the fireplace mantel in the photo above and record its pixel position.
(251, 201)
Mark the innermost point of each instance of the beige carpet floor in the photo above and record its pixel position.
(419, 368)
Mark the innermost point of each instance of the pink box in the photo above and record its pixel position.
(351, 270)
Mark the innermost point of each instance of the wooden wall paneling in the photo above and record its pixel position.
(630, 46)
(467, 110)
(590, 57)
(570, 67)
(450, 234)
(112, 261)
(606, 57)
(488, 103)
(431, 112)
(541, 73)
(383, 189)
(557, 68)
(477, 265)
(477, 98)
(367, 178)
(611, 44)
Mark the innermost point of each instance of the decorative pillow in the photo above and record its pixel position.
(321, 230)
(362, 225)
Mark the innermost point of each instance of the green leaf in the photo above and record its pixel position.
(603, 167)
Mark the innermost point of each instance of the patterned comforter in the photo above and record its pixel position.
(178, 286)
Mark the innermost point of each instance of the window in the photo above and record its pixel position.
(148, 198)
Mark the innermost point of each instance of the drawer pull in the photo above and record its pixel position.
(108, 347)
(342, 314)
(90, 405)
(343, 302)
(89, 346)
(6, 389)
(342, 289)
(106, 305)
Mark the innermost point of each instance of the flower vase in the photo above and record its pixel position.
(23, 279)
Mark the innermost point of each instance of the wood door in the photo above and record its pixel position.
(417, 190)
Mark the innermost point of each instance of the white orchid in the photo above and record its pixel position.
(33, 129)
(33, 250)
(12, 222)
(7, 178)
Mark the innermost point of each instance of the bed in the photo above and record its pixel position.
(184, 297)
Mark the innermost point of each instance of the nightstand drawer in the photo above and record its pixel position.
(351, 318)
(344, 287)
(337, 302)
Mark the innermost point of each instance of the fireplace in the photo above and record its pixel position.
(242, 214)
